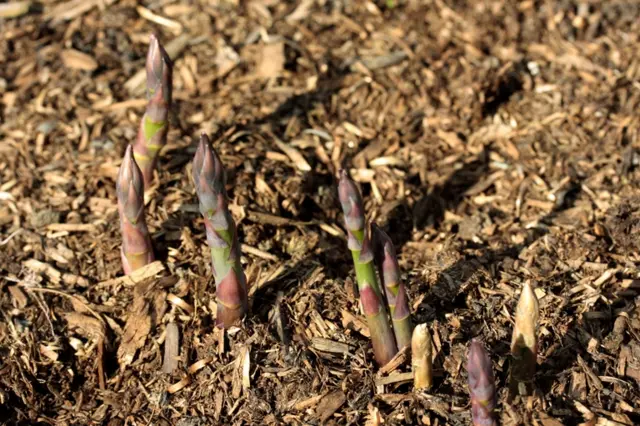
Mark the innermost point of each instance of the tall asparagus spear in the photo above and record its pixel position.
(382, 339)
(152, 133)
(136, 244)
(385, 256)
(231, 284)
(524, 343)
(482, 387)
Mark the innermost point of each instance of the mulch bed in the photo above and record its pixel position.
(495, 142)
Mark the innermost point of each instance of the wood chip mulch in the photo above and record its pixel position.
(495, 141)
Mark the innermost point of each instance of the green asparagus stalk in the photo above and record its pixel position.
(395, 291)
(382, 339)
(231, 284)
(482, 388)
(136, 248)
(421, 357)
(524, 343)
(152, 133)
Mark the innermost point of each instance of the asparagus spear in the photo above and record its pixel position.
(152, 133)
(524, 343)
(382, 339)
(395, 291)
(482, 386)
(231, 285)
(136, 248)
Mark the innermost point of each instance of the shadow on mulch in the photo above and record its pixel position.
(502, 88)
(429, 210)
(299, 105)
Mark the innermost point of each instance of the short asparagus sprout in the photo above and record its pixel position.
(395, 291)
(382, 338)
(231, 284)
(136, 250)
(482, 388)
(524, 342)
(152, 133)
(421, 356)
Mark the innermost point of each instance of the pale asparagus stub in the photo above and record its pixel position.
(524, 342)
(421, 356)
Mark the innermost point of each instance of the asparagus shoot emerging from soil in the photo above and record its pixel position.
(382, 339)
(136, 244)
(231, 285)
(524, 342)
(395, 291)
(481, 385)
(152, 133)
(421, 354)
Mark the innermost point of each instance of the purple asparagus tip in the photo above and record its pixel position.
(394, 288)
(353, 209)
(371, 303)
(130, 187)
(208, 176)
(351, 201)
(386, 258)
(137, 250)
(159, 80)
(481, 385)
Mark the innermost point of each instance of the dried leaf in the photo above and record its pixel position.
(147, 308)
(87, 326)
(18, 296)
(351, 321)
(136, 331)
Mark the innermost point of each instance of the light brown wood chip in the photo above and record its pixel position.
(77, 60)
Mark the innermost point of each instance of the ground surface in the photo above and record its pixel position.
(496, 141)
